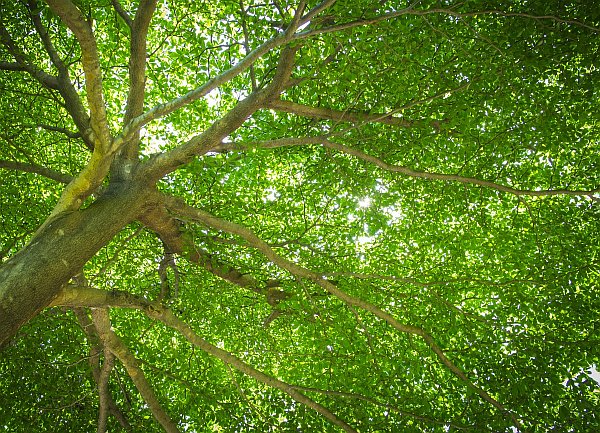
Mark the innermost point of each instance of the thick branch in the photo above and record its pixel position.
(199, 92)
(37, 169)
(131, 364)
(12, 66)
(171, 233)
(83, 296)
(73, 18)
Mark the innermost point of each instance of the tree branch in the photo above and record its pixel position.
(402, 412)
(122, 13)
(65, 87)
(47, 80)
(61, 83)
(34, 12)
(12, 66)
(93, 339)
(103, 391)
(410, 10)
(171, 233)
(131, 364)
(99, 298)
(37, 169)
(166, 108)
(268, 144)
(451, 177)
(339, 116)
(137, 71)
(73, 18)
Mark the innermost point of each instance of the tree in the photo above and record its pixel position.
(299, 216)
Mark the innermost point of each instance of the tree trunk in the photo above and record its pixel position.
(32, 277)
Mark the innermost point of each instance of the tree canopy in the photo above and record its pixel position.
(293, 215)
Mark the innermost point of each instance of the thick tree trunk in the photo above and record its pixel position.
(31, 278)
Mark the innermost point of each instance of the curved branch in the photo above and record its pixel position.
(37, 169)
(338, 116)
(451, 177)
(78, 296)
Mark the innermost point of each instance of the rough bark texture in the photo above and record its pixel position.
(30, 279)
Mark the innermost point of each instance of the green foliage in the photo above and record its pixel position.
(507, 285)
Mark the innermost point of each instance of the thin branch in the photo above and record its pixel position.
(268, 144)
(316, 11)
(339, 116)
(131, 364)
(399, 411)
(452, 177)
(34, 12)
(37, 169)
(247, 50)
(64, 131)
(243, 394)
(426, 284)
(326, 142)
(411, 11)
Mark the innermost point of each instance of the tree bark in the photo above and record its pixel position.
(32, 277)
